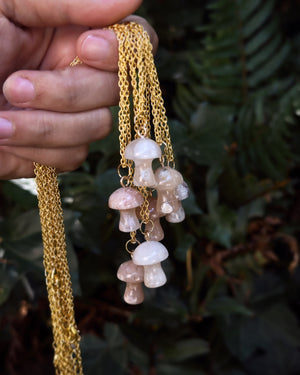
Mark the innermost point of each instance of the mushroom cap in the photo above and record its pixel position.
(130, 272)
(149, 252)
(142, 149)
(125, 198)
(168, 178)
(182, 191)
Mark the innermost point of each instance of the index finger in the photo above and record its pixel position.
(37, 13)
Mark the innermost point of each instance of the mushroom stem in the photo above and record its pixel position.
(154, 230)
(167, 201)
(128, 220)
(154, 276)
(176, 216)
(134, 293)
(143, 174)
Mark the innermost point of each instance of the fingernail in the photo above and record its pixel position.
(6, 128)
(94, 48)
(23, 90)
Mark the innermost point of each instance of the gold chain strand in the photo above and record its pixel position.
(66, 338)
(136, 62)
(67, 357)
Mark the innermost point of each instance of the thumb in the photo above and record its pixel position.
(94, 13)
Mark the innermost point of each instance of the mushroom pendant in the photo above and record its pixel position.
(146, 195)
(133, 276)
(126, 200)
(150, 254)
(142, 151)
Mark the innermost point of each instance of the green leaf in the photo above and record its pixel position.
(258, 18)
(20, 196)
(8, 279)
(185, 349)
(246, 8)
(227, 305)
(220, 225)
(186, 243)
(107, 182)
(168, 369)
(268, 69)
(26, 224)
(191, 206)
(261, 39)
(104, 357)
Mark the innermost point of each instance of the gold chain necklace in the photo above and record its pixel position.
(137, 73)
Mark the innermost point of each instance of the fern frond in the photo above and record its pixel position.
(237, 67)
(242, 48)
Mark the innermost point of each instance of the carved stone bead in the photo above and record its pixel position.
(126, 200)
(133, 276)
(142, 151)
(176, 216)
(149, 254)
(154, 228)
(182, 191)
(167, 180)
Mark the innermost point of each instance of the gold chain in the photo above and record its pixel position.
(137, 73)
(137, 69)
(66, 338)
(67, 357)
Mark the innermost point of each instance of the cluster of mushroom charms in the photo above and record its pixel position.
(145, 267)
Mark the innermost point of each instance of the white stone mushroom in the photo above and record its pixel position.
(142, 151)
(126, 200)
(133, 276)
(182, 192)
(167, 180)
(149, 254)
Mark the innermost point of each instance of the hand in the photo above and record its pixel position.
(69, 106)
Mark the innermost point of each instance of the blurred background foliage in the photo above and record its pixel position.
(230, 73)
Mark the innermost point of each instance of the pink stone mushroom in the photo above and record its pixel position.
(167, 179)
(126, 200)
(133, 276)
(176, 216)
(182, 192)
(149, 254)
(153, 228)
(142, 151)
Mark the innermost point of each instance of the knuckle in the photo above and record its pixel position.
(69, 96)
(44, 129)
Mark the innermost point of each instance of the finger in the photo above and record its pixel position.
(12, 166)
(43, 129)
(99, 48)
(70, 90)
(37, 13)
(63, 159)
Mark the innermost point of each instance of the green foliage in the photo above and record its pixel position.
(230, 76)
(235, 81)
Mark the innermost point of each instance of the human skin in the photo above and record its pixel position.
(50, 112)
